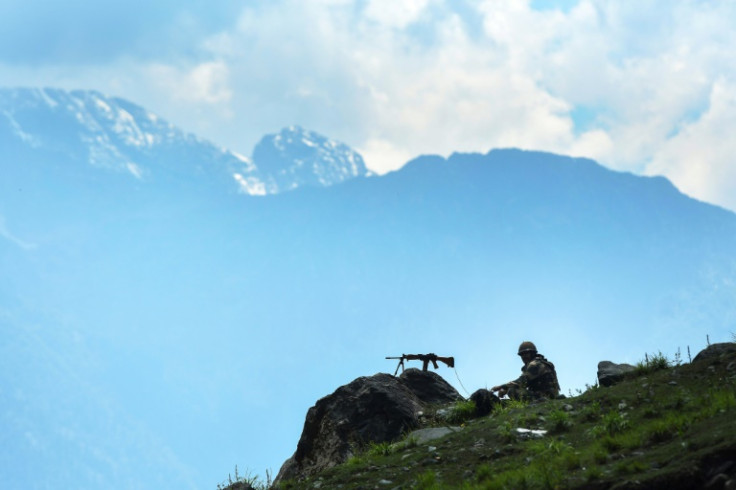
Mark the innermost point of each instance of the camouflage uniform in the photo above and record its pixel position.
(538, 380)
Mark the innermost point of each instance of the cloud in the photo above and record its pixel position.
(610, 80)
(391, 13)
(700, 158)
(5, 233)
(85, 32)
(204, 82)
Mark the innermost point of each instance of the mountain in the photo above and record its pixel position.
(87, 130)
(159, 329)
(296, 157)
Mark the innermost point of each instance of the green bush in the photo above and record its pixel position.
(591, 412)
(427, 481)
(628, 467)
(461, 411)
(380, 449)
(483, 473)
(593, 473)
(655, 362)
(611, 424)
(248, 478)
(560, 421)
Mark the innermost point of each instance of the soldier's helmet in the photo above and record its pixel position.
(527, 346)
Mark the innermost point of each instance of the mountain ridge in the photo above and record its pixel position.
(85, 127)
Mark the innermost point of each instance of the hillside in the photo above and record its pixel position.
(667, 425)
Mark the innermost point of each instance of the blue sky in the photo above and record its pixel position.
(647, 87)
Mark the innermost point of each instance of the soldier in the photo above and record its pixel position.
(538, 378)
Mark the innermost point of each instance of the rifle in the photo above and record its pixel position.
(425, 358)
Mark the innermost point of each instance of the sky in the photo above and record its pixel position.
(647, 87)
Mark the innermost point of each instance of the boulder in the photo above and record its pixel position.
(716, 352)
(429, 387)
(378, 408)
(423, 436)
(610, 373)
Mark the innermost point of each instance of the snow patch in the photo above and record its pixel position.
(250, 185)
(47, 98)
(18, 131)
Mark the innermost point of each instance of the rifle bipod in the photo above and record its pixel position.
(425, 358)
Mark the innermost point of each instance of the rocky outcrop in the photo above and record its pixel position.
(610, 373)
(377, 408)
(716, 351)
(429, 387)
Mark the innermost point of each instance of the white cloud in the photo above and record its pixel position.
(385, 156)
(395, 14)
(398, 79)
(205, 82)
(8, 235)
(362, 75)
(700, 158)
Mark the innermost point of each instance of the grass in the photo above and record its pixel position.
(560, 421)
(652, 363)
(662, 422)
(247, 480)
(461, 412)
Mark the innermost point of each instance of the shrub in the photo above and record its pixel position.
(427, 481)
(591, 412)
(630, 467)
(593, 473)
(612, 423)
(483, 473)
(655, 362)
(461, 411)
(248, 479)
(600, 456)
(650, 412)
(380, 449)
(506, 432)
(717, 401)
(560, 421)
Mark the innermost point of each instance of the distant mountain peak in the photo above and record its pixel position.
(296, 157)
(91, 131)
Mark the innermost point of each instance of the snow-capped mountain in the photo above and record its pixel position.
(88, 129)
(296, 157)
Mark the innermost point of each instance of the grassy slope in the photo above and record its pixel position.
(666, 428)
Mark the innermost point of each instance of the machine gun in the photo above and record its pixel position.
(425, 358)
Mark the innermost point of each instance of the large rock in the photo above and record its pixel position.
(610, 373)
(429, 387)
(716, 351)
(377, 408)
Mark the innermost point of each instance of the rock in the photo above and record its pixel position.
(429, 387)
(610, 373)
(716, 351)
(421, 436)
(377, 408)
(530, 433)
(484, 401)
